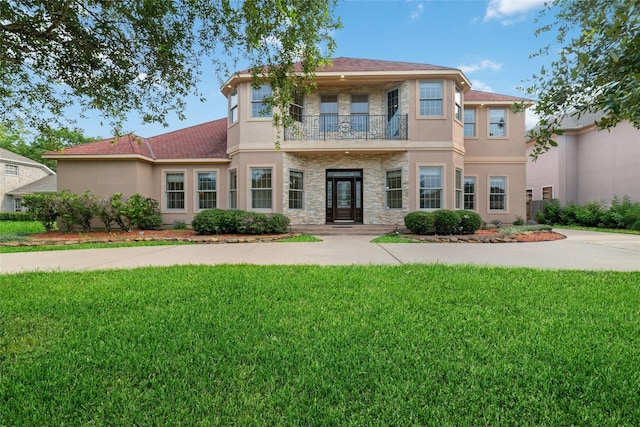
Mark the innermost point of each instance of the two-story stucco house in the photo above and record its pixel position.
(588, 164)
(20, 176)
(374, 141)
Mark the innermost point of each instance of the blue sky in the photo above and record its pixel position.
(489, 40)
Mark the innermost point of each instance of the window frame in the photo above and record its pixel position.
(233, 106)
(440, 188)
(254, 190)
(427, 98)
(459, 188)
(296, 108)
(505, 124)
(458, 113)
(166, 191)
(198, 190)
(547, 187)
(389, 191)
(11, 170)
(17, 204)
(329, 120)
(360, 119)
(258, 95)
(232, 177)
(473, 123)
(298, 192)
(469, 198)
(492, 195)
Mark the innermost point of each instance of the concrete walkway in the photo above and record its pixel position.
(581, 250)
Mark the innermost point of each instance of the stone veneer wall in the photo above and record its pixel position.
(377, 98)
(374, 168)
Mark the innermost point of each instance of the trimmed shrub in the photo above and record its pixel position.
(151, 222)
(214, 221)
(551, 213)
(253, 223)
(446, 221)
(518, 221)
(277, 223)
(420, 222)
(470, 221)
(179, 225)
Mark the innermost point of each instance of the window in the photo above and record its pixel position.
(233, 190)
(11, 170)
(261, 188)
(17, 204)
(547, 193)
(233, 106)
(430, 187)
(498, 193)
(258, 107)
(328, 113)
(174, 190)
(469, 122)
(431, 99)
(470, 193)
(394, 189)
(458, 188)
(497, 122)
(458, 108)
(296, 190)
(207, 190)
(529, 195)
(296, 108)
(359, 113)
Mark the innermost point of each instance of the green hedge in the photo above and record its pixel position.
(621, 214)
(16, 216)
(443, 221)
(222, 221)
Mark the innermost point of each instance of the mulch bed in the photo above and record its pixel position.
(65, 238)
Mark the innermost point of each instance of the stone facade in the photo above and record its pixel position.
(374, 168)
(8, 182)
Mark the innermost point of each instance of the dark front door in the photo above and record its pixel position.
(344, 196)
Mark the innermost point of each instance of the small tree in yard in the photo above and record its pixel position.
(43, 207)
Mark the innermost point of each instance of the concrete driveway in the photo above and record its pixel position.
(581, 250)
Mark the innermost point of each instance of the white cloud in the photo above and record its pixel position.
(417, 11)
(481, 86)
(510, 11)
(485, 64)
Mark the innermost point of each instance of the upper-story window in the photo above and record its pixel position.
(469, 122)
(328, 113)
(258, 107)
(233, 106)
(359, 112)
(458, 110)
(11, 169)
(497, 122)
(296, 108)
(431, 99)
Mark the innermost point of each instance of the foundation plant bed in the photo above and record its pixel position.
(70, 238)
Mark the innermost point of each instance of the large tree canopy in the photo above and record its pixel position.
(147, 56)
(597, 69)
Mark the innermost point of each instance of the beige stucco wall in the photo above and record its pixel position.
(589, 165)
(105, 178)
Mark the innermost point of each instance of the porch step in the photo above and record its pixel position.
(346, 229)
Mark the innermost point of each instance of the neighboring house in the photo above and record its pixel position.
(20, 176)
(588, 164)
(374, 141)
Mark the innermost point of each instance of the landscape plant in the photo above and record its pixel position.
(623, 214)
(470, 221)
(420, 222)
(43, 207)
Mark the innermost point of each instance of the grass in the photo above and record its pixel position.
(17, 231)
(303, 238)
(393, 238)
(604, 230)
(94, 245)
(308, 345)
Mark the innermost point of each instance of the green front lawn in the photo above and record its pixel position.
(308, 345)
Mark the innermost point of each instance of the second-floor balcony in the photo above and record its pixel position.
(348, 127)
